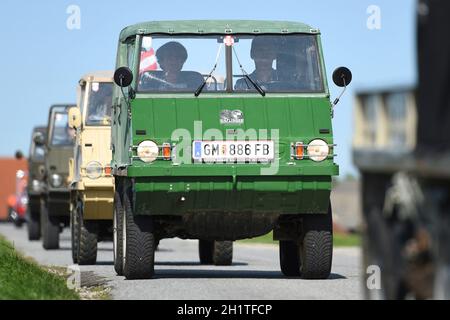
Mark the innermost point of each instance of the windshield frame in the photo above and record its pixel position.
(52, 129)
(86, 96)
(233, 69)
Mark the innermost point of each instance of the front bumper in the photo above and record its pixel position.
(58, 202)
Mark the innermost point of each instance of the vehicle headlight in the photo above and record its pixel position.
(94, 170)
(24, 200)
(56, 180)
(36, 185)
(318, 150)
(148, 151)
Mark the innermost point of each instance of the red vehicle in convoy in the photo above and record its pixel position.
(18, 202)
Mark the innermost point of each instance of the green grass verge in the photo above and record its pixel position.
(351, 240)
(21, 279)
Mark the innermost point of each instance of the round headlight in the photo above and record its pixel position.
(36, 185)
(148, 151)
(94, 170)
(318, 150)
(56, 180)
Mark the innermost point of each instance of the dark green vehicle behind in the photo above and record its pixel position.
(199, 158)
(35, 187)
(55, 203)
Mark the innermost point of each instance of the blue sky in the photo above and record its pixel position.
(41, 60)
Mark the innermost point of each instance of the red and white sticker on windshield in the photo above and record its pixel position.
(229, 41)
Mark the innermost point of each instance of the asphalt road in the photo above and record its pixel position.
(255, 274)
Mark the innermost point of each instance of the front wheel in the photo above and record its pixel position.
(50, 229)
(75, 234)
(139, 244)
(311, 255)
(118, 234)
(316, 247)
(87, 239)
(33, 226)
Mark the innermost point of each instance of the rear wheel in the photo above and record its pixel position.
(50, 229)
(316, 247)
(205, 250)
(33, 226)
(139, 244)
(118, 234)
(219, 253)
(88, 239)
(290, 258)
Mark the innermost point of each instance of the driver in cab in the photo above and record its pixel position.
(264, 53)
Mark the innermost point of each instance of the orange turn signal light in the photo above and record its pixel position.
(167, 151)
(299, 150)
(108, 171)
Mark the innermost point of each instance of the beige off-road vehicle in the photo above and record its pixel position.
(92, 184)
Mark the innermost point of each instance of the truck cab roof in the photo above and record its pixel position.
(204, 27)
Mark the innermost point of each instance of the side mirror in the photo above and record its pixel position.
(39, 139)
(342, 77)
(123, 77)
(74, 118)
(19, 155)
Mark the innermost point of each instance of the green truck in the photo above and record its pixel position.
(55, 202)
(203, 149)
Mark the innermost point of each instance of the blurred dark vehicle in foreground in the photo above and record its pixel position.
(402, 149)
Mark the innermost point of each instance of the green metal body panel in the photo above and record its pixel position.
(167, 188)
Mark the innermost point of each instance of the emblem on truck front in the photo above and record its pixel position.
(231, 117)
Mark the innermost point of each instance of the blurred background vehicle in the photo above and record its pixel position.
(91, 181)
(9, 166)
(55, 204)
(20, 205)
(35, 187)
(402, 149)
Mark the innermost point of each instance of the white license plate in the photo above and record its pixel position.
(233, 151)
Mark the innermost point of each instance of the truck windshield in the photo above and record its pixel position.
(99, 104)
(62, 135)
(277, 63)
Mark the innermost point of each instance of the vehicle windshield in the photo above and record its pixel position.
(38, 153)
(99, 104)
(62, 135)
(276, 63)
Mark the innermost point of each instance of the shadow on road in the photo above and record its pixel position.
(192, 264)
(99, 249)
(228, 274)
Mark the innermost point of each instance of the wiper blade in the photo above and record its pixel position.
(255, 84)
(202, 86)
(247, 76)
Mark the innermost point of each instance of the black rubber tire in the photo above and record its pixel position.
(139, 244)
(33, 226)
(223, 253)
(87, 240)
(18, 223)
(316, 248)
(205, 251)
(50, 229)
(219, 253)
(74, 230)
(290, 258)
(118, 234)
